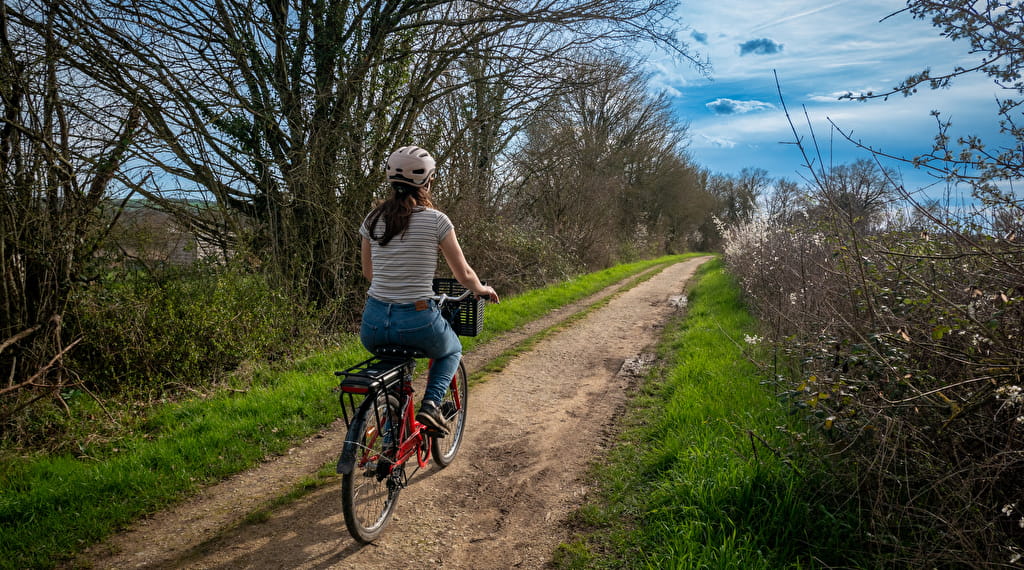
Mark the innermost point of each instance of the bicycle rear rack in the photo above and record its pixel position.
(369, 377)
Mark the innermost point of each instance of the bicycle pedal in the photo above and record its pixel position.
(436, 433)
(448, 410)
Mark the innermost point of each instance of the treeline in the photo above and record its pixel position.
(257, 132)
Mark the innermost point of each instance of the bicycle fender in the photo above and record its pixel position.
(347, 461)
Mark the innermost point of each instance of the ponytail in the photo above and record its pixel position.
(397, 210)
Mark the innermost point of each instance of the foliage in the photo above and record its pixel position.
(900, 331)
(513, 259)
(152, 335)
(187, 326)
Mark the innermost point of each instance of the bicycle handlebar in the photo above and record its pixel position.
(445, 298)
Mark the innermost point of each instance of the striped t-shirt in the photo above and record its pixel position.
(403, 270)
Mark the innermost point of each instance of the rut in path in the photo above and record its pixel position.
(532, 429)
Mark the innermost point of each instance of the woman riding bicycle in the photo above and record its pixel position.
(400, 240)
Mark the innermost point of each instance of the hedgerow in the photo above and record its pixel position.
(902, 339)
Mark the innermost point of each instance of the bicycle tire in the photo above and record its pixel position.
(444, 448)
(368, 492)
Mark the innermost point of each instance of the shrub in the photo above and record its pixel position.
(512, 258)
(185, 327)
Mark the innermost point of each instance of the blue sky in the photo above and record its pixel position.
(819, 50)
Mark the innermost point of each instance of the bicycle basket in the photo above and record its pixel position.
(466, 316)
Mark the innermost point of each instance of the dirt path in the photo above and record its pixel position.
(533, 428)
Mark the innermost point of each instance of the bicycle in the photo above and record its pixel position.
(383, 434)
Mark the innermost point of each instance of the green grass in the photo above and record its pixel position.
(706, 476)
(53, 506)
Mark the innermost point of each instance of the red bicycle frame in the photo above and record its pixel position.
(411, 435)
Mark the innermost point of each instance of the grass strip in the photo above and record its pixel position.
(52, 507)
(708, 473)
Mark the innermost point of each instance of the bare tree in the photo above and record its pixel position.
(61, 144)
(738, 195)
(858, 193)
(483, 105)
(598, 162)
(785, 200)
(678, 204)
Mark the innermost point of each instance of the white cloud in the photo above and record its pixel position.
(664, 77)
(724, 106)
(833, 97)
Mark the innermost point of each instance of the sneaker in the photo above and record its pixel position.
(430, 415)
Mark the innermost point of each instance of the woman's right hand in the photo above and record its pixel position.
(488, 292)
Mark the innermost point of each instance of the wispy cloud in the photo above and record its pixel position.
(836, 96)
(760, 46)
(699, 37)
(734, 107)
(803, 14)
(707, 141)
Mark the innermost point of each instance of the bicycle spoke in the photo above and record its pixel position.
(370, 490)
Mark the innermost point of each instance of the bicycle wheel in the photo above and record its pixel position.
(369, 491)
(445, 448)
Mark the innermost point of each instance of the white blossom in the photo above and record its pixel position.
(1012, 394)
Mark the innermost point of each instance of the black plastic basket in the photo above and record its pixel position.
(466, 316)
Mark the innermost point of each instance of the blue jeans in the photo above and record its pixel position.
(400, 323)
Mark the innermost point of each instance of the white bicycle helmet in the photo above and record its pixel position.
(411, 165)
